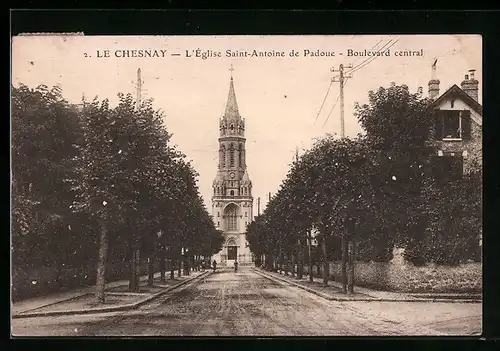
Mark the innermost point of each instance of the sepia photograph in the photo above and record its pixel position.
(244, 185)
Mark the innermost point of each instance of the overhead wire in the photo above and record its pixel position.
(338, 96)
(358, 67)
(324, 100)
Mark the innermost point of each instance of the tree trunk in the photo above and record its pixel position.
(138, 271)
(151, 270)
(179, 262)
(172, 262)
(344, 265)
(286, 264)
(101, 263)
(186, 263)
(352, 250)
(310, 258)
(162, 264)
(325, 261)
(270, 262)
(300, 264)
(134, 283)
(59, 270)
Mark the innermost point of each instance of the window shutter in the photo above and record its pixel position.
(466, 125)
(438, 124)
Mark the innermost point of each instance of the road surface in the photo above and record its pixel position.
(247, 304)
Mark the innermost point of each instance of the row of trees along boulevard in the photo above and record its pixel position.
(364, 195)
(95, 184)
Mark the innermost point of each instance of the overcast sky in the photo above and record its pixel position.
(278, 96)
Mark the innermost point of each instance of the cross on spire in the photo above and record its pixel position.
(231, 69)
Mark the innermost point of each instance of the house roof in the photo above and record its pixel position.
(455, 91)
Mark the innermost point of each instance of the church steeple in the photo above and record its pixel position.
(232, 200)
(231, 124)
(232, 112)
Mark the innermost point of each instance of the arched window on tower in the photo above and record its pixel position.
(231, 155)
(230, 216)
(232, 192)
(223, 156)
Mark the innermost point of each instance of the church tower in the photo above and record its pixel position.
(232, 201)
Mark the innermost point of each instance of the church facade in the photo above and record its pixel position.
(232, 200)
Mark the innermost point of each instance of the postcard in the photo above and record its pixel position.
(269, 185)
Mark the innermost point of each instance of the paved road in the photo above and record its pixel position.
(245, 303)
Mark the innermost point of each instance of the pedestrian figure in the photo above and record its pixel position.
(235, 266)
(214, 264)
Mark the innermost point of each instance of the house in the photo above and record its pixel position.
(458, 119)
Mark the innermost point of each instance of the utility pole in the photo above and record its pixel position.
(297, 153)
(347, 255)
(341, 79)
(139, 89)
(269, 196)
(258, 206)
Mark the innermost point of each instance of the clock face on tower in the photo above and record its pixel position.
(231, 175)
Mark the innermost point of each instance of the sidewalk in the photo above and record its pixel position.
(334, 291)
(118, 298)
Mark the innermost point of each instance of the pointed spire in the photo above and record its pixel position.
(232, 111)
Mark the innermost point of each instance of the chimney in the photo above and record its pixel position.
(470, 85)
(434, 82)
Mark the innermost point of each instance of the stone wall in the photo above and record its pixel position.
(402, 276)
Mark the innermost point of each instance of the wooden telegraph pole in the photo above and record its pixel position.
(344, 244)
(138, 89)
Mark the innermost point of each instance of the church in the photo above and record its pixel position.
(232, 201)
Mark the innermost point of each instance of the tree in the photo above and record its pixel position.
(103, 183)
(45, 129)
(448, 240)
(398, 126)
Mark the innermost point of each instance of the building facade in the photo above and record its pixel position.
(458, 119)
(232, 200)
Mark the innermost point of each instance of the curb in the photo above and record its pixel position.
(331, 298)
(108, 309)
